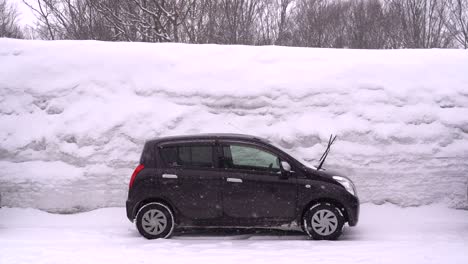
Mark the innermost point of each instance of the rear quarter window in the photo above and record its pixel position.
(147, 156)
(188, 156)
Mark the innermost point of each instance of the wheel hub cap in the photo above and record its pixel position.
(324, 222)
(154, 222)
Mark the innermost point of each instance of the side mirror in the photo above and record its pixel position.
(286, 167)
(286, 170)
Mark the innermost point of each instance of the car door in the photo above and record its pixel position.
(190, 179)
(253, 190)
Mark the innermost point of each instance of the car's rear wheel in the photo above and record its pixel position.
(323, 221)
(155, 220)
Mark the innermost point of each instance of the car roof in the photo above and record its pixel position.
(206, 136)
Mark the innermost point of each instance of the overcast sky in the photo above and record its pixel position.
(26, 16)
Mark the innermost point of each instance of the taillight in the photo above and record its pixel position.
(135, 173)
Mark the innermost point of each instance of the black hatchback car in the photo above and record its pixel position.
(232, 180)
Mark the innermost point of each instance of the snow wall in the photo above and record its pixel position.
(74, 115)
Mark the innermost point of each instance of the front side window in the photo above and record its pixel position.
(188, 156)
(251, 158)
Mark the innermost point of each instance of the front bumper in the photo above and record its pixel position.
(353, 212)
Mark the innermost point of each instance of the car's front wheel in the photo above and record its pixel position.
(155, 220)
(323, 221)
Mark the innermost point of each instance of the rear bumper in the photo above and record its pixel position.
(130, 205)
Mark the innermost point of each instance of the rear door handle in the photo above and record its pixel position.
(234, 180)
(169, 176)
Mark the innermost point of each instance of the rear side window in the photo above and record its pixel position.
(188, 156)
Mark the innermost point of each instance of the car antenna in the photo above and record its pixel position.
(327, 150)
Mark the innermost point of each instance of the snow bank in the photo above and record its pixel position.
(74, 114)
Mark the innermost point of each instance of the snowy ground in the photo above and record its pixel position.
(74, 115)
(386, 234)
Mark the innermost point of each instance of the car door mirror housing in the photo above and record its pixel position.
(285, 171)
(286, 167)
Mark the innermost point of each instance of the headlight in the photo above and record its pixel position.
(349, 186)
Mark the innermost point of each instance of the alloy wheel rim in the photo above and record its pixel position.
(154, 222)
(324, 222)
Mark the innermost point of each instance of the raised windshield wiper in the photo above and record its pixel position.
(325, 154)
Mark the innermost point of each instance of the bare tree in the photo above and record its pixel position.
(267, 32)
(365, 28)
(284, 22)
(163, 19)
(194, 27)
(237, 21)
(9, 27)
(318, 23)
(372, 24)
(115, 14)
(274, 22)
(249, 22)
(421, 23)
(457, 23)
(68, 19)
(147, 20)
(46, 29)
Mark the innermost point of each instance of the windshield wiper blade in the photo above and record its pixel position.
(325, 154)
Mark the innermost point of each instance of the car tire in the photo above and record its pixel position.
(323, 221)
(155, 220)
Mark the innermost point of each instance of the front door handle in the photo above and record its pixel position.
(234, 180)
(169, 176)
